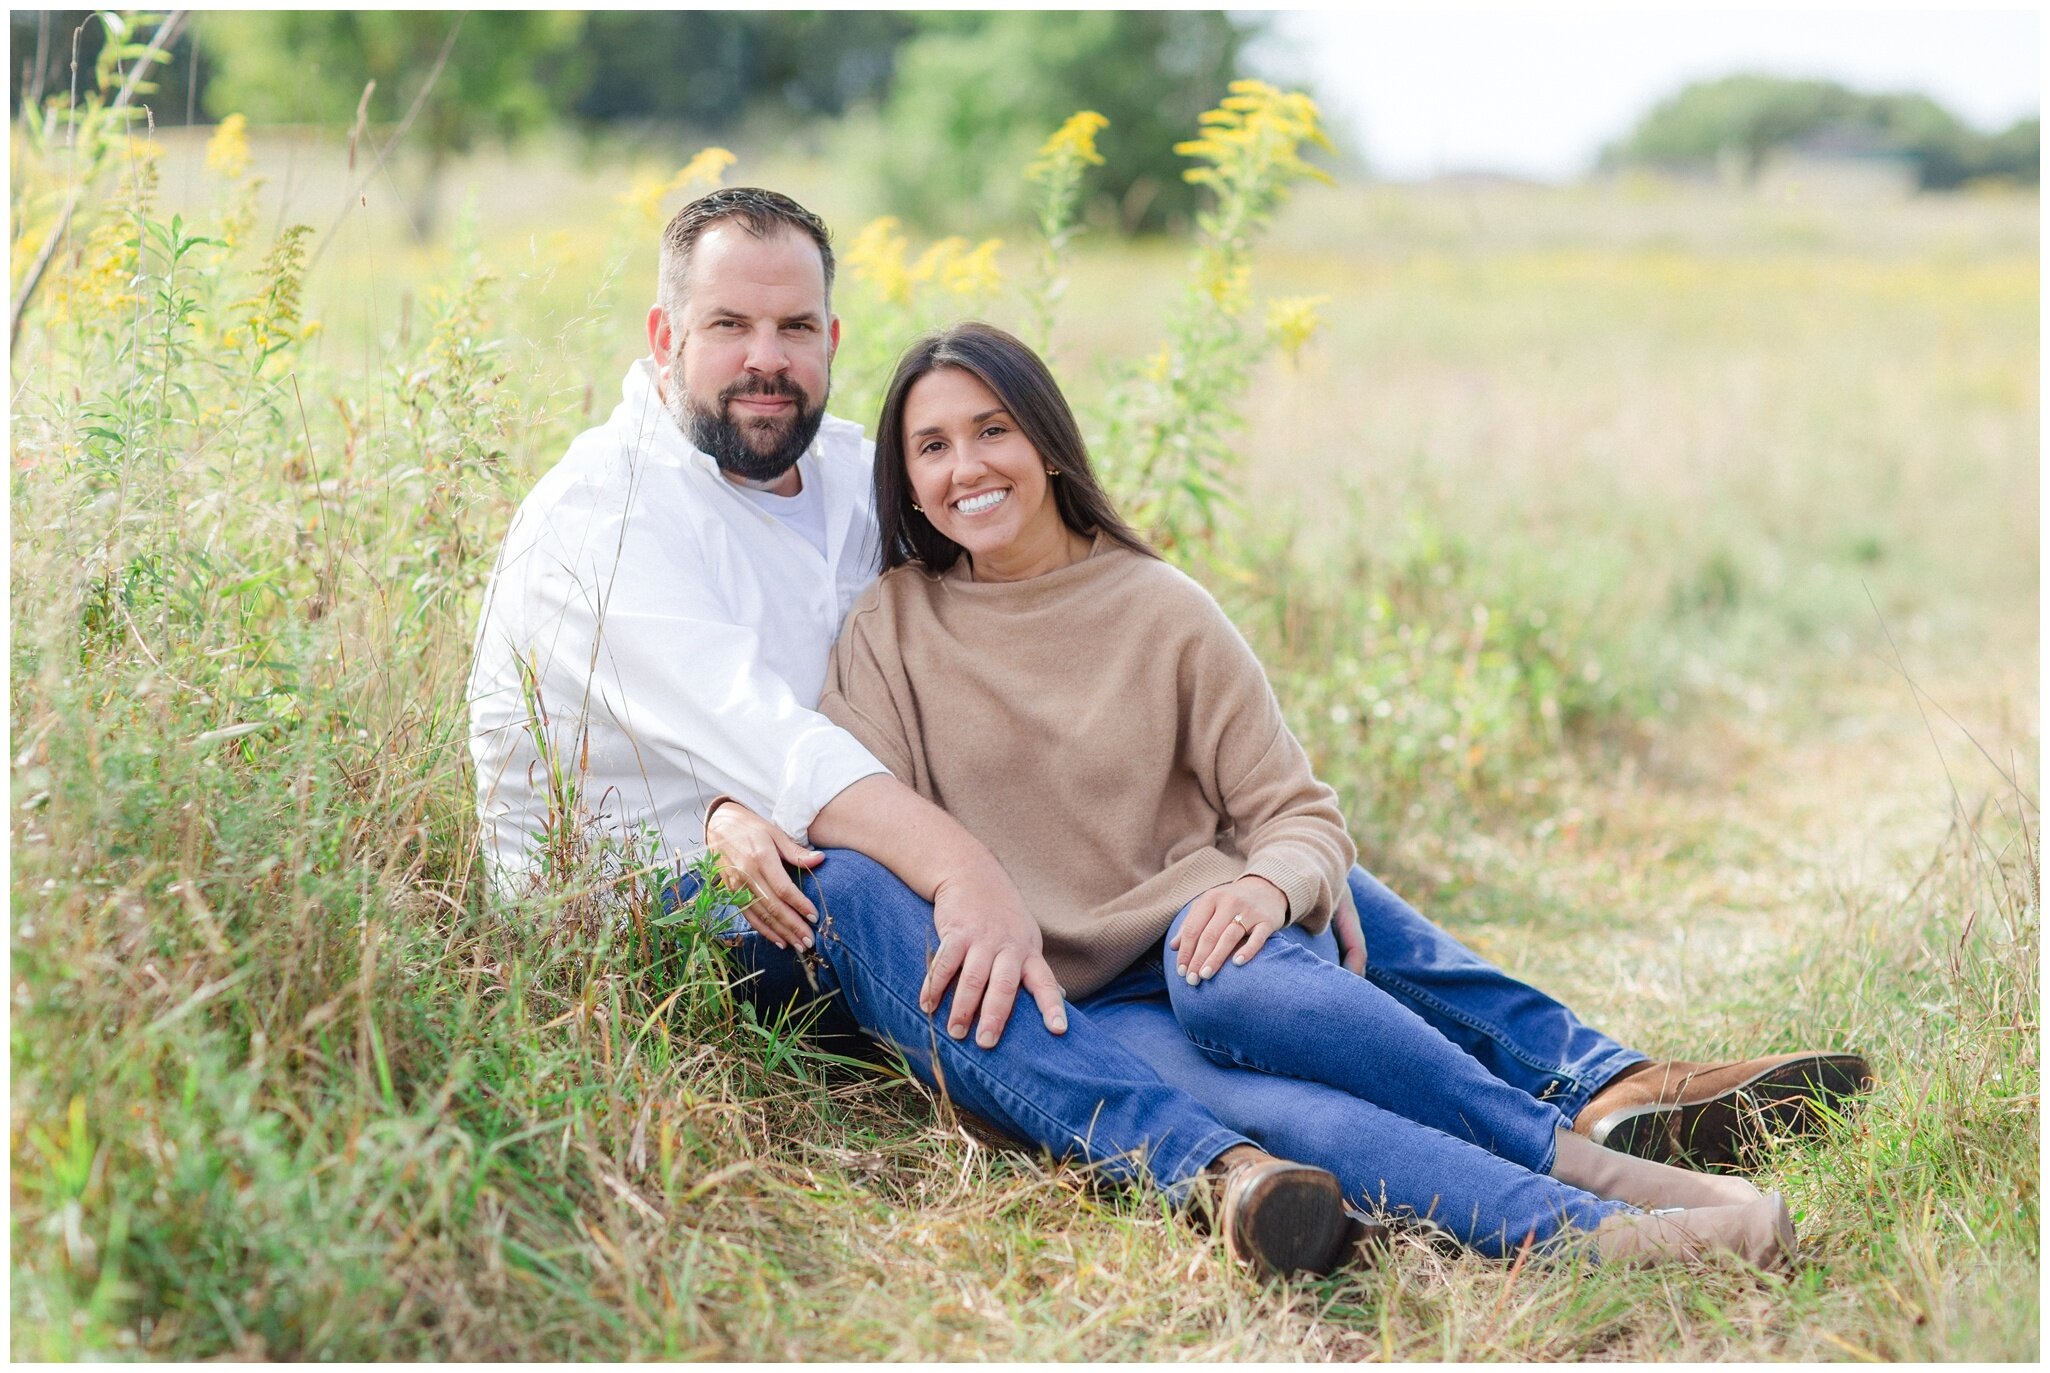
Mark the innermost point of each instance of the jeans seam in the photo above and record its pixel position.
(1382, 978)
(1584, 1089)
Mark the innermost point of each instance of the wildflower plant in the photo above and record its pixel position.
(67, 145)
(891, 295)
(289, 1081)
(1063, 160)
(1170, 445)
(702, 173)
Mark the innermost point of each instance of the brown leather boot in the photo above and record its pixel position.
(1760, 1232)
(1282, 1218)
(1713, 1114)
(1584, 1164)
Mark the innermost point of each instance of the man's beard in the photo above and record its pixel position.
(728, 443)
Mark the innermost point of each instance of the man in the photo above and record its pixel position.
(652, 648)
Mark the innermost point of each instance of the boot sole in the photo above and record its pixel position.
(1295, 1222)
(1722, 1130)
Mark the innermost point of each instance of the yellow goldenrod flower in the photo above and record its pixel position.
(271, 316)
(1292, 319)
(974, 273)
(1069, 146)
(933, 259)
(876, 256)
(645, 198)
(1230, 286)
(1255, 137)
(102, 284)
(227, 152)
(708, 167)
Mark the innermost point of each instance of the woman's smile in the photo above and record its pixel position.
(982, 501)
(981, 482)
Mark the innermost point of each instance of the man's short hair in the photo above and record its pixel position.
(760, 212)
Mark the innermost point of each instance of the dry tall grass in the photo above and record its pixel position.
(286, 1086)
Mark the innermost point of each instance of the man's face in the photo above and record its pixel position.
(747, 368)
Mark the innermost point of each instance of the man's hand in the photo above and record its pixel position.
(987, 939)
(752, 853)
(992, 945)
(1352, 942)
(1238, 915)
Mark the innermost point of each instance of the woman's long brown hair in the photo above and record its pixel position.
(1029, 393)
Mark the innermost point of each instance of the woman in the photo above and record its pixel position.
(1090, 714)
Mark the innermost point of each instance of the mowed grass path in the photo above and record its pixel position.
(1745, 462)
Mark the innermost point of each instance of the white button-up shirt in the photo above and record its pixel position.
(651, 639)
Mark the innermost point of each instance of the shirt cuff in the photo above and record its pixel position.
(717, 801)
(821, 764)
(1300, 886)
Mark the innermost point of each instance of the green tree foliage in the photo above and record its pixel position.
(975, 93)
(1750, 116)
(44, 42)
(507, 71)
(710, 68)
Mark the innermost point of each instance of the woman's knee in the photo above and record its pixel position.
(844, 869)
(1209, 1008)
(865, 907)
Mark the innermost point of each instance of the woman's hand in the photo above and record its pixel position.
(752, 853)
(1239, 915)
(1352, 942)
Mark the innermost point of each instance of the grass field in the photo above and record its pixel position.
(1653, 570)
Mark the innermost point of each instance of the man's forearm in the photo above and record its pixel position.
(909, 835)
(988, 945)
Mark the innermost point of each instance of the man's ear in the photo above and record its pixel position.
(660, 338)
(832, 338)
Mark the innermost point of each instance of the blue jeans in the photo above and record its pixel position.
(1122, 1083)
(1081, 1095)
(1321, 1066)
(1515, 1031)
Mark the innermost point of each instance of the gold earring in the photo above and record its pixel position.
(919, 508)
(1053, 471)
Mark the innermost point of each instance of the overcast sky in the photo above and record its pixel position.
(1537, 92)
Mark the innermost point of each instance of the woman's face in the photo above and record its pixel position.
(981, 482)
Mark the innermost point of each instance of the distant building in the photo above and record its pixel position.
(1842, 162)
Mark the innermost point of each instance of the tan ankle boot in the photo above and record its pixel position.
(1761, 1233)
(1703, 1113)
(1280, 1217)
(1584, 1164)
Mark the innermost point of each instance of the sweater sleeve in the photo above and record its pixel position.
(1285, 821)
(860, 694)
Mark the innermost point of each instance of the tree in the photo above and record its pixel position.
(44, 42)
(2017, 152)
(1751, 116)
(975, 94)
(476, 75)
(711, 68)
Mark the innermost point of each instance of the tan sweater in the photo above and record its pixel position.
(1105, 731)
